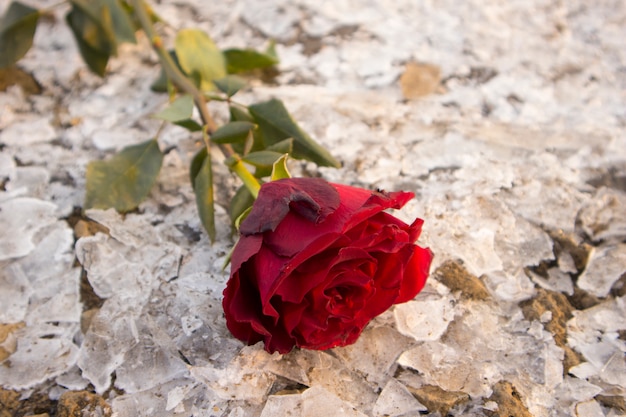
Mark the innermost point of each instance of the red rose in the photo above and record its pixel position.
(316, 261)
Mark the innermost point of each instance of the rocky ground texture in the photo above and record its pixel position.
(507, 120)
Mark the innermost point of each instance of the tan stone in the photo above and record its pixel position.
(419, 79)
(82, 404)
(437, 399)
(508, 400)
(453, 275)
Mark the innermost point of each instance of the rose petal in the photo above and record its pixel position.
(282, 238)
(314, 272)
(245, 248)
(313, 199)
(415, 274)
(241, 308)
(377, 202)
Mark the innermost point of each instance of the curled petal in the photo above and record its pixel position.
(313, 199)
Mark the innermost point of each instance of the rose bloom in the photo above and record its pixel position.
(316, 262)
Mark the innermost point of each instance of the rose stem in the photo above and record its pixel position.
(181, 81)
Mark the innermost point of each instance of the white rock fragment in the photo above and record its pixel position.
(283, 405)
(573, 390)
(605, 266)
(28, 132)
(54, 279)
(566, 262)
(314, 402)
(273, 20)
(149, 363)
(482, 348)
(244, 378)
(112, 333)
(396, 400)
(175, 398)
(15, 294)
(129, 262)
(31, 181)
(196, 401)
(117, 138)
(20, 219)
(588, 409)
(551, 203)
(510, 287)
(190, 324)
(594, 333)
(604, 217)
(39, 356)
(7, 166)
(326, 371)
(72, 379)
(374, 353)
(425, 320)
(557, 281)
(490, 405)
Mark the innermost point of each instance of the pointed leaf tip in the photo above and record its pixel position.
(17, 30)
(202, 180)
(276, 124)
(279, 169)
(199, 57)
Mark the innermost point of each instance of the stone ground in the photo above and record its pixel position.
(506, 118)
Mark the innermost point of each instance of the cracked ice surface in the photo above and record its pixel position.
(517, 160)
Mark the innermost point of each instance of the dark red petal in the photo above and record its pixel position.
(415, 230)
(389, 238)
(313, 199)
(415, 274)
(294, 233)
(296, 278)
(242, 310)
(245, 318)
(245, 248)
(377, 202)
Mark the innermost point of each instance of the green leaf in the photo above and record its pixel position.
(232, 132)
(179, 113)
(196, 164)
(262, 159)
(284, 146)
(242, 217)
(125, 180)
(241, 201)
(279, 169)
(202, 180)
(123, 26)
(242, 60)
(237, 114)
(199, 57)
(180, 109)
(253, 143)
(97, 30)
(189, 124)
(17, 29)
(276, 124)
(230, 84)
(93, 31)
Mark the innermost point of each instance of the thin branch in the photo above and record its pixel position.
(183, 83)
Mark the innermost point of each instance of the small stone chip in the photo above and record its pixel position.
(508, 400)
(435, 398)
